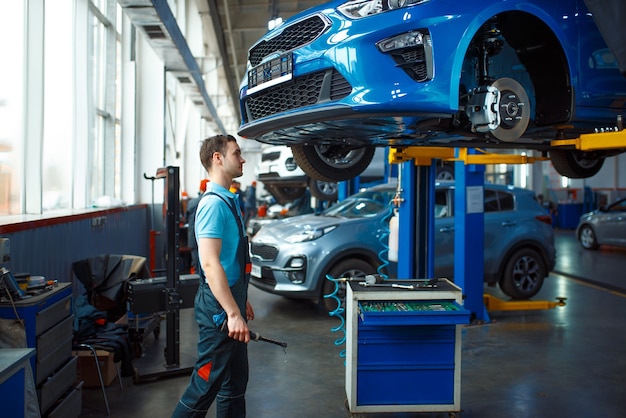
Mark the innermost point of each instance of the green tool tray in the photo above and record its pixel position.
(431, 312)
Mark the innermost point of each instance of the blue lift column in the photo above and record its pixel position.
(416, 212)
(348, 188)
(469, 234)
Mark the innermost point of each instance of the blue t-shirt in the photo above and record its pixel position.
(214, 219)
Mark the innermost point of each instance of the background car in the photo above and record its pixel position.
(275, 211)
(606, 225)
(284, 180)
(438, 73)
(292, 257)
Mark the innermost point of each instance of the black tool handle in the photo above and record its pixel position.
(256, 337)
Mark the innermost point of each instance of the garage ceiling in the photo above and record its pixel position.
(230, 27)
(240, 23)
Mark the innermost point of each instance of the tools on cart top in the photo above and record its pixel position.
(377, 280)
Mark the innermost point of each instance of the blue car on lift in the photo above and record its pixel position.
(339, 79)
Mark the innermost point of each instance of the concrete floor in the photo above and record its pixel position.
(567, 362)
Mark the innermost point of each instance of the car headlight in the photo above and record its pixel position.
(357, 9)
(309, 234)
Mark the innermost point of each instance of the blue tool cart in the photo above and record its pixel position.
(48, 323)
(403, 347)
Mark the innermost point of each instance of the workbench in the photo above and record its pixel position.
(403, 348)
(14, 378)
(48, 322)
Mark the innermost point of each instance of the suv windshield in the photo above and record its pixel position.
(361, 205)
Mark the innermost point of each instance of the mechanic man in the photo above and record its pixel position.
(221, 306)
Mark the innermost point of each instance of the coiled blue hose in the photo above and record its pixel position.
(383, 254)
(337, 312)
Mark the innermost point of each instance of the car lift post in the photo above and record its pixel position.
(469, 235)
(476, 301)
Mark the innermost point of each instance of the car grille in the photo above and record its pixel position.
(267, 279)
(298, 34)
(304, 91)
(264, 252)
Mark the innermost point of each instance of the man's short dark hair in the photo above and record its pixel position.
(211, 145)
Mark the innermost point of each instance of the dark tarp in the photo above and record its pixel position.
(105, 277)
(91, 328)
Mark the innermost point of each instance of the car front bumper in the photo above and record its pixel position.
(344, 86)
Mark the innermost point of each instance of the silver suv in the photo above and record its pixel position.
(292, 257)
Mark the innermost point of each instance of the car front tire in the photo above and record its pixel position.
(332, 162)
(587, 238)
(523, 274)
(575, 164)
(325, 191)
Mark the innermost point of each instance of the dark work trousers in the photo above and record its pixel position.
(222, 367)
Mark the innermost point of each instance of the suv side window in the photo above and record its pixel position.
(491, 201)
(507, 201)
(497, 200)
(442, 209)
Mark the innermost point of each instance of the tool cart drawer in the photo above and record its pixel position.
(70, 405)
(400, 365)
(406, 313)
(57, 384)
(51, 314)
(49, 340)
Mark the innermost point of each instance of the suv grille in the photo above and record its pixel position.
(292, 37)
(270, 156)
(265, 252)
(304, 91)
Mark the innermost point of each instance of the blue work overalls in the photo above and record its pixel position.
(222, 367)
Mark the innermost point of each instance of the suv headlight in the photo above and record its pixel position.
(309, 234)
(357, 9)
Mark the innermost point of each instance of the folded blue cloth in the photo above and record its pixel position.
(219, 318)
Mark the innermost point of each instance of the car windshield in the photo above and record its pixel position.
(361, 205)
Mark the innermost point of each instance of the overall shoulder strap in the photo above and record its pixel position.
(233, 210)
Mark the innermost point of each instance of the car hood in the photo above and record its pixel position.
(282, 228)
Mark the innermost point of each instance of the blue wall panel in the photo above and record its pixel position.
(50, 248)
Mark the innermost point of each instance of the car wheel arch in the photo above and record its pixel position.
(554, 100)
(338, 290)
(362, 254)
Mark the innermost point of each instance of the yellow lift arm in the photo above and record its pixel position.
(493, 303)
(425, 155)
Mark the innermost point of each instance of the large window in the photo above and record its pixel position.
(59, 105)
(58, 115)
(105, 66)
(11, 105)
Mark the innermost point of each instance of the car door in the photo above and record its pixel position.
(611, 225)
(500, 223)
(444, 232)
